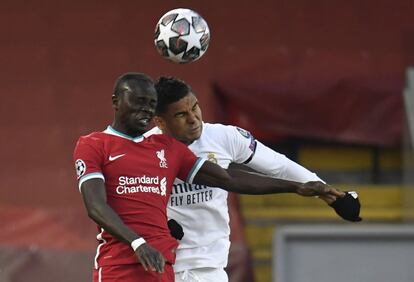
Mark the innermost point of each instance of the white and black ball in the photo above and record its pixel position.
(182, 36)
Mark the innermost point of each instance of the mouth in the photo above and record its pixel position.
(195, 129)
(144, 120)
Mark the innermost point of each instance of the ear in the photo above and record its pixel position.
(159, 122)
(115, 100)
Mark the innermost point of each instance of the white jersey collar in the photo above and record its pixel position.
(157, 130)
(110, 130)
(152, 131)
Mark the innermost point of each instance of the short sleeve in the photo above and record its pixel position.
(189, 163)
(241, 144)
(88, 159)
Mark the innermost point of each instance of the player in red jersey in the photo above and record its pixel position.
(126, 178)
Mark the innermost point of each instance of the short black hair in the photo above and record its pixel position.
(137, 79)
(170, 90)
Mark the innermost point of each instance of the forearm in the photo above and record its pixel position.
(106, 218)
(244, 182)
(95, 201)
(99, 211)
(251, 183)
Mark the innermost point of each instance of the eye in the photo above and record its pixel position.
(139, 100)
(180, 115)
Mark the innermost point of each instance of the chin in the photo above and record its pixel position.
(195, 136)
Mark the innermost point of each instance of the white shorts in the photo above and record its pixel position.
(202, 275)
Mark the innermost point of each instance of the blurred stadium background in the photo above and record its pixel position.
(321, 81)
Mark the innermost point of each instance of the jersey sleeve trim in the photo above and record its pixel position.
(254, 145)
(90, 176)
(195, 169)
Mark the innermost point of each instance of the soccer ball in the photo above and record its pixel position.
(182, 36)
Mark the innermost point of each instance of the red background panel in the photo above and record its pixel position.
(59, 60)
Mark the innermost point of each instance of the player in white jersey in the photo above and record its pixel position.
(202, 211)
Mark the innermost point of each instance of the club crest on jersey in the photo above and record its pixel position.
(163, 160)
(80, 167)
(243, 132)
(212, 157)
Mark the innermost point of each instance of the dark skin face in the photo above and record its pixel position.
(134, 108)
(182, 120)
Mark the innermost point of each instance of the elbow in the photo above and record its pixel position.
(92, 213)
(95, 211)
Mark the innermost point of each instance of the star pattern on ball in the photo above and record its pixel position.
(184, 14)
(166, 32)
(182, 36)
(193, 38)
(177, 58)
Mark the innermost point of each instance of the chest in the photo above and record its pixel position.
(144, 159)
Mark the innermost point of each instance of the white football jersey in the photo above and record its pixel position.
(202, 211)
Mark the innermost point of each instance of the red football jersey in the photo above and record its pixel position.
(138, 175)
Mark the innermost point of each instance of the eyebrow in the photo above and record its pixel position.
(183, 112)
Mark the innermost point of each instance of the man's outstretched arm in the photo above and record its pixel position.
(244, 182)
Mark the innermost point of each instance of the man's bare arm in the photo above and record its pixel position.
(94, 198)
(244, 182)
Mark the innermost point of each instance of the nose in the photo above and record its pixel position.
(148, 108)
(191, 118)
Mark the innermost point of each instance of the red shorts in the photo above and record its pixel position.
(132, 273)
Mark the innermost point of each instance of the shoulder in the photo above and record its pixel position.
(153, 131)
(160, 139)
(218, 130)
(91, 144)
(92, 138)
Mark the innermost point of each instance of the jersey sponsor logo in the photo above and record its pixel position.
(163, 160)
(112, 158)
(80, 167)
(190, 194)
(142, 184)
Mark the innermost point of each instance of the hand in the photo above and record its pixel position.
(320, 189)
(150, 258)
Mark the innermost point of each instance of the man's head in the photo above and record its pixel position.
(134, 100)
(178, 113)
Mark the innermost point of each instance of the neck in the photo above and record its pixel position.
(127, 131)
(188, 143)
